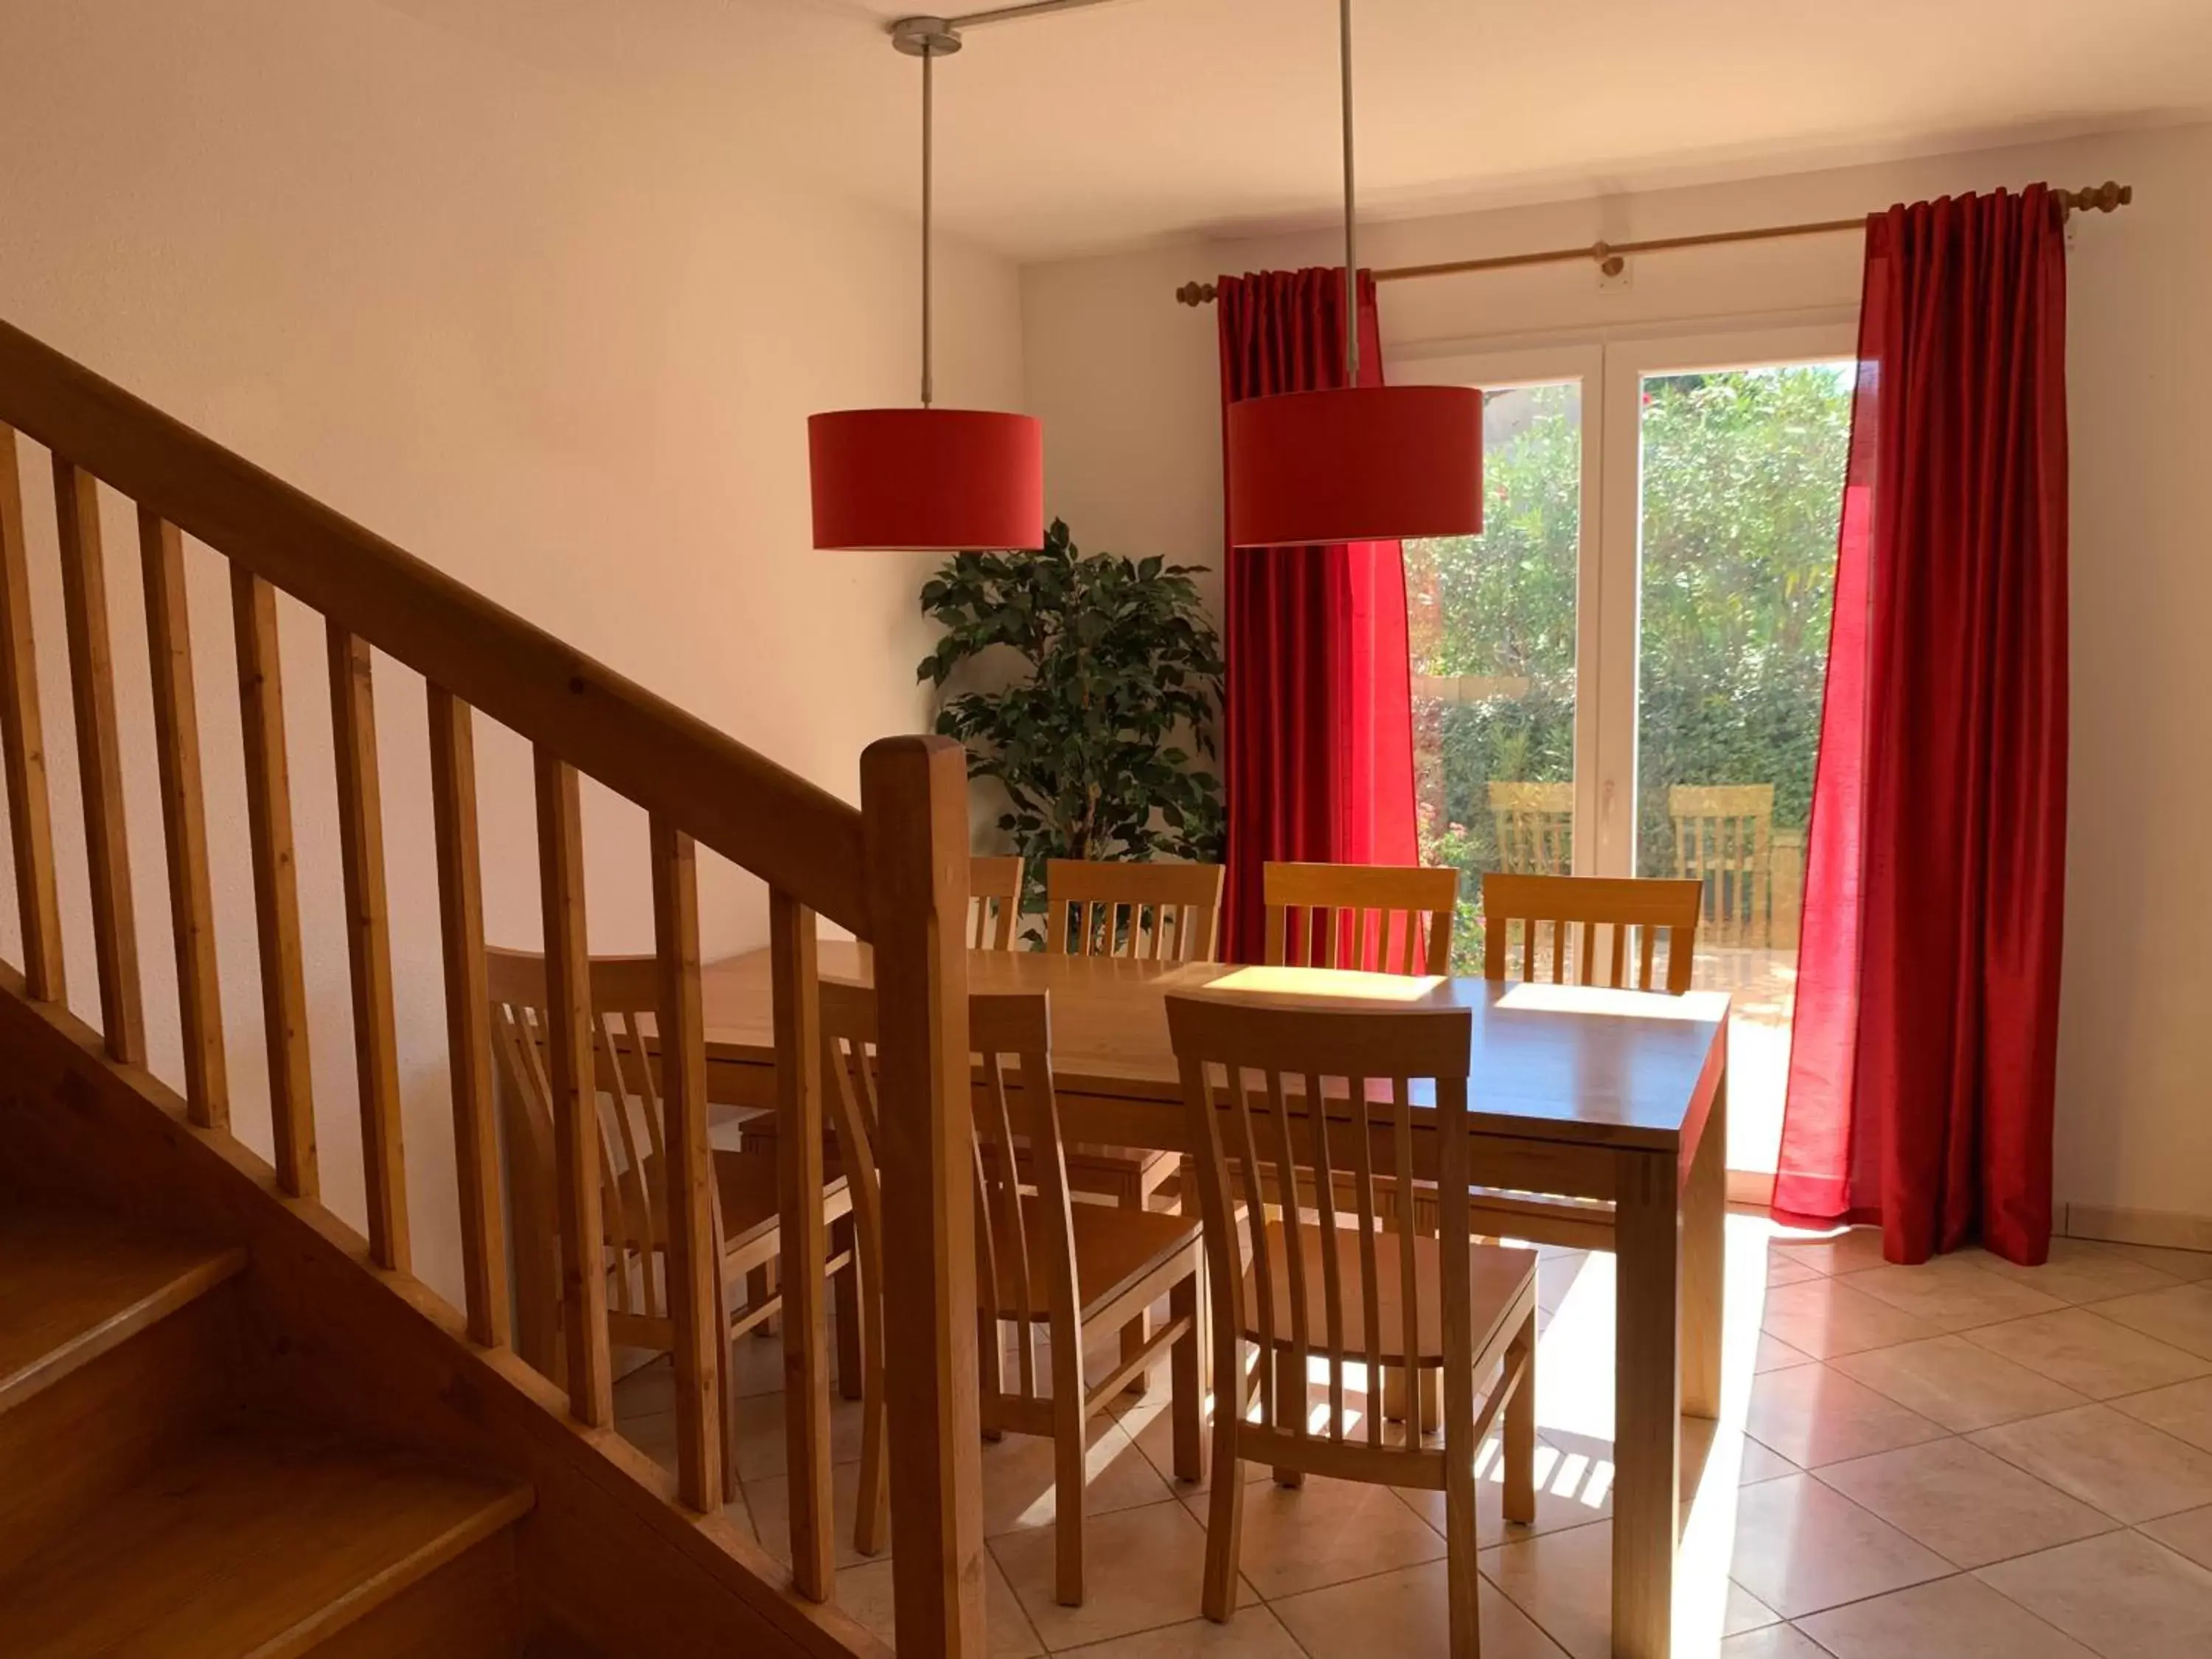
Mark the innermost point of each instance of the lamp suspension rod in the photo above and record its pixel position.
(1351, 205)
(929, 157)
(2107, 198)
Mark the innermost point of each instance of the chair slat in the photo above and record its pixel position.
(569, 1078)
(23, 741)
(369, 945)
(1332, 1288)
(276, 882)
(184, 819)
(468, 1029)
(100, 761)
(1185, 900)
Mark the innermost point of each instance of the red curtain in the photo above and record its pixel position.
(1921, 1072)
(1318, 704)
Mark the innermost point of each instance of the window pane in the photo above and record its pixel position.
(1493, 635)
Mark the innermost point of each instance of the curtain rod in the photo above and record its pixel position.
(1610, 257)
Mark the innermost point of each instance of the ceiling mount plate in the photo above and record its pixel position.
(925, 37)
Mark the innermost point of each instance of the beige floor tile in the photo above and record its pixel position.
(1969, 1507)
(2181, 1316)
(865, 1592)
(642, 1392)
(1814, 1414)
(768, 1499)
(1018, 1478)
(1952, 1295)
(1302, 1538)
(1143, 1569)
(1764, 1464)
(2129, 1470)
(2078, 1271)
(1957, 1383)
(2089, 1353)
(1574, 1487)
(1781, 1270)
(652, 1433)
(1823, 1317)
(761, 1447)
(1773, 1642)
(1772, 1354)
(2189, 1265)
(1802, 1546)
(1404, 1613)
(1957, 1618)
(1563, 1581)
(2122, 1595)
(2189, 1532)
(1745, 1612)
(2183, 1411)
(1254, 1633)
(1841, 1253)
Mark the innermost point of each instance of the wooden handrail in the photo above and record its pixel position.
(793, 834)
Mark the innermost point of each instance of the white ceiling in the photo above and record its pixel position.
(1146, 119)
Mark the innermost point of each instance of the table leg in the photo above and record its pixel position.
(1705, 1272)
(1647, 1385)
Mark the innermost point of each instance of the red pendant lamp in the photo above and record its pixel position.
(938, 480)
(1355, 462)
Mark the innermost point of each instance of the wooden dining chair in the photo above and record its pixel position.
(1048, 1269)
(1329, 1095)
(1149, 912)
(1386, 919)
(994, 901)
(628, 1132)
(1571, 910)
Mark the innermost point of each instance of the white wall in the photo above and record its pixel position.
(1127, 383)
(561, 346)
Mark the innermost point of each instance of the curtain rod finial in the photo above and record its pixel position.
(1196, 294)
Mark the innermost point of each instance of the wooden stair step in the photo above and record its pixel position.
(76, 1283)
(263, 1539)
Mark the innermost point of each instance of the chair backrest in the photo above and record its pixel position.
(1722, 841)
(1025, 1255)
(628, 1125)
(1385, 918)
(1252, 1079)
(1535, 824)
(1575, 907)
(1155, 912)
(994, 901)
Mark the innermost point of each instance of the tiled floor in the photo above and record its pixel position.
(1964, 1460)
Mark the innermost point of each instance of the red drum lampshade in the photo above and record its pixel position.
(1365, 464)
(935, 480)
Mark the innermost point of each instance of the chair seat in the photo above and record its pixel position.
(1114, 1251)
(752, 1206)
(1502, 1281)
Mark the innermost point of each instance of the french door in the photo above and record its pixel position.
(1622, 675)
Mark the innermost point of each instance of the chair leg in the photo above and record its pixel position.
(1520, 1447)
(1138, 1331)
(844, 1291)
(1462, 1593)
(1225, 1515)
(871, 1507)
(1068, 1439)
(1186, 1379)
(760, 1286)
(1291, 1397)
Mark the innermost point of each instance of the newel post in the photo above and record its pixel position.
(914, 797)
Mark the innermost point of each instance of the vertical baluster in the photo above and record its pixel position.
(805, 1243)
(573, 1087)
(468, 1016)
(100, 761)
(693, 1271)
(184, 820)
(914, 792)
(22, 742)
(369, 943)
(276, 882)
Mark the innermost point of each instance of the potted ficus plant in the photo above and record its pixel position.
(1096, 738)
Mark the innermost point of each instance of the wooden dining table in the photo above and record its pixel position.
(1614, 1098)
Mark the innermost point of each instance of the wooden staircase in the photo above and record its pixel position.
(147, 1515)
